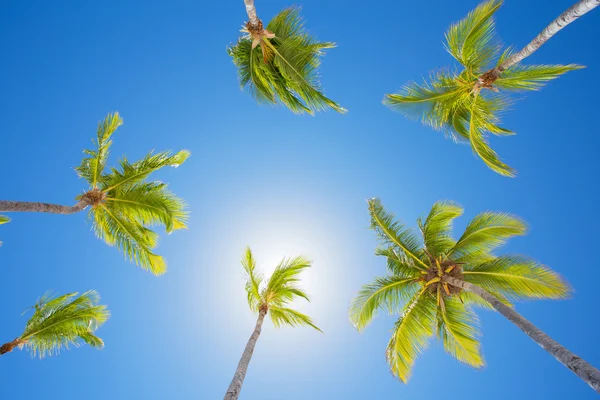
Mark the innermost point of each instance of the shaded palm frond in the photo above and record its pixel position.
(411, 334)
(285, 68)
(472, 40)
(92, 167)
(398, 263)
(286, 316)
(63, 321)
(518, 278)
(437, 228)
(389, 293)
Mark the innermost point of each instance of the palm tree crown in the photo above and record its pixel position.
(124, 205)
(457, 102)
(285, 68)
(274, 295)
(58, 322)
(416, 289)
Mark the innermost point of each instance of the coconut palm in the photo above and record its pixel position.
(435, 281)
(59, 322)
(123, 204)
(467, 103)
(285, 69)
(272, 296)
(3, 220)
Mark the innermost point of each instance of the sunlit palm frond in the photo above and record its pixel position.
(286, 316)
(437, 228)
(486, 232)
(389, 293)
(3, 220)
(253, 281)
(92, 167)
(518, 278)
(531, 77)
(398, 263)
(411, 334)
(284, 68)
(286, 274)
(132, 238)
(472, 40)
(459, 331)
(62, 321)
(393, 233)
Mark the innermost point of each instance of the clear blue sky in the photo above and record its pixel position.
(285, 185)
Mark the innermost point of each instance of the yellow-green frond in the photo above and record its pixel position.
(286, 316)
(253, 280)
(398, 264)
(531, 77)
(286, 274)
(411, 334)
(459, 331)
(63, 321)
(389, 293)
(518, 278)
(437, 228)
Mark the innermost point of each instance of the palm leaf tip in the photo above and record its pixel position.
(284, 69)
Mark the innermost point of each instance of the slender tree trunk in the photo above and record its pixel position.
(251, 11)
(8, 347)
(564, 19)
(27, 206)
(579, 366)
(240, 373)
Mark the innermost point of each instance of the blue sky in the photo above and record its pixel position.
(285, 185)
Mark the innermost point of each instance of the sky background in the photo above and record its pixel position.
(285, 185)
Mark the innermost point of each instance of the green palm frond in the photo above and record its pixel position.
(458, 329)
(517, 278)
(285, 68)
(398, 264)
(286, 316)
(391, 293)
(531, 77)
(394, 233)
(3, 220)
(488, 231)
(59, 322)
(471, 41)
(253, 281)
(92, 167)
(437, 228)
(411, 335)
(286, 274)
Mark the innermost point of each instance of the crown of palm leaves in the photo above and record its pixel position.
(285, 68)
(125, 205)
(467, 105)
(415, 289)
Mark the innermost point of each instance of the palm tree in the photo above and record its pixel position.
(271, 296)
(123, 204)
(3, 220)
(58, 322)
(456, 103)
(434, 282)
(286, 68)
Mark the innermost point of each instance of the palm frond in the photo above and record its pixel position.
(411, 334)
(289, 75)
(63, 321)
(132, 238)
(286, 274)
(472, 40)
(437, 228)
(458, 329)
(531, 77)
(92, 167)
(486, 232)
(398, 263)
(518, 278)
(140, 170)
(253, 281)
(390, 293)
(3, 220)
(286, 316)
(394, 233)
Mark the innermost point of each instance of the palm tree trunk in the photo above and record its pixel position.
(233, 392)
(8, 347)
(579, 366)
(251, 11)
(27, 206)
(580, 8)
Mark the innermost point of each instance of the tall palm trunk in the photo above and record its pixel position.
(27, 206)
(576, 364)
(564, 19)
(240, 373)
(251, 11)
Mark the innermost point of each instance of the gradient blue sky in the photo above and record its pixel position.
(285, 185)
